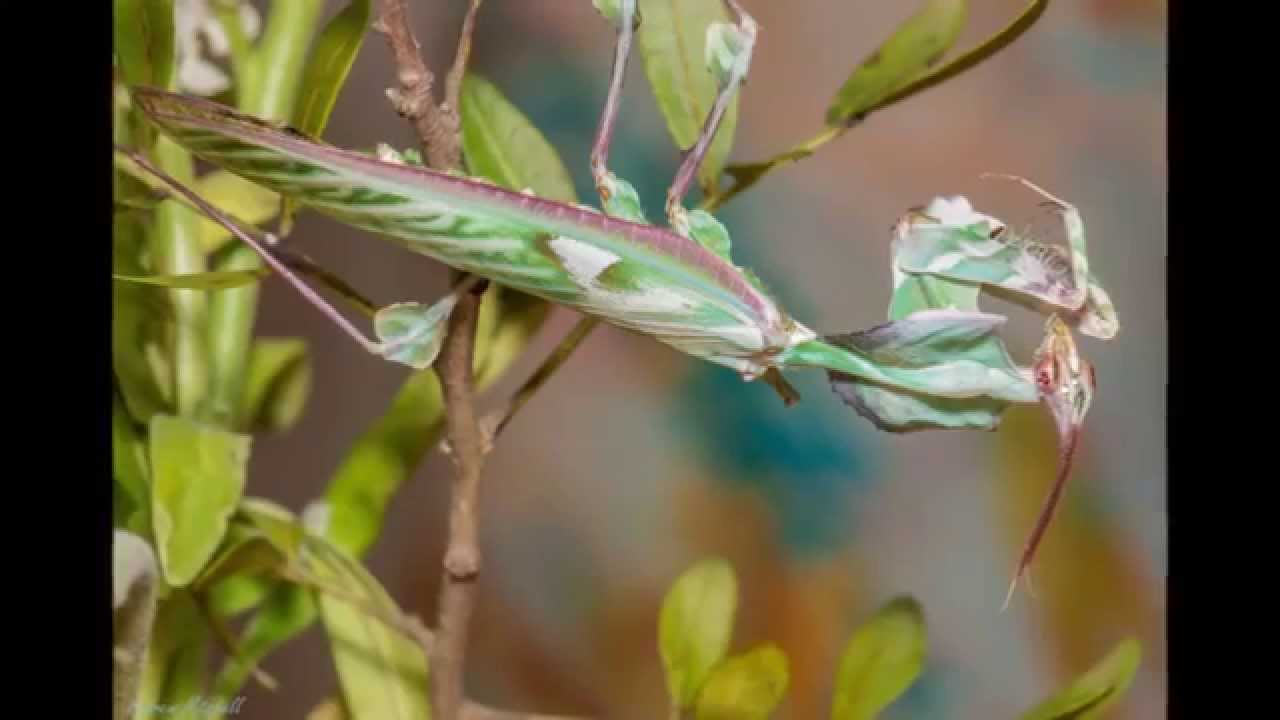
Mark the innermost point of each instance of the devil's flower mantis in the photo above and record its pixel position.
(937, 362)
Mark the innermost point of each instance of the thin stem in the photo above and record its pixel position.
(231, 645)
(462, 556)
(453, 81)
(554, 361)
(414, 100)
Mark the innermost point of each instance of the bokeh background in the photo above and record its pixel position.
(635, 461)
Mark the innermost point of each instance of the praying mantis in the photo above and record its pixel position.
(937, 362)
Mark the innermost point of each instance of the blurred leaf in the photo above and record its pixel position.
(246, 202)
(216, 280)
(882, 660)
(508, 321)
(913, 48)
(379, 462)
(970, 58)
(175, 670)
(334, 53)
(278, 383)
(286, 611)
(144, 41)
(412, 333)
(274, 68)
(696, 625)
(1096, 690)
(138, 318)
(198, 474)
(745, 687)
(331, 709)
(245, 549)
(672, 40)
(383, 673)
(502, 145)
(129, 472)
(134, 579)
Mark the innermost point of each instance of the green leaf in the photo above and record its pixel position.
(175, 671)
(134, 579)
(672, 40)
(745, 687)
(1096, 690)
(380, 461)
(138, 319)
(246, 202)
(334, 53)
(144, 41)
(215, 280)
(198, 475)
(286, 611)
(278, 383)
(502, 145)
(696, 625)
(412, 333)
(383, 673)
(129, 472)
(882, 660)
(914, 47)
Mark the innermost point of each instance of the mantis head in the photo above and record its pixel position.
(1066, 382)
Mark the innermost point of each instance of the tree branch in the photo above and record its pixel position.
(413, 99)
(438, 129)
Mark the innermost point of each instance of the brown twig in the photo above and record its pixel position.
(438, 129)
(413, 99)
(500, 418)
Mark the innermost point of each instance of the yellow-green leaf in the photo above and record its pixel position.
(1096, 690)
(198, 475)
(502, 145)
(914, 47)
(335, 51)
(144, 41)
(672, 40)
(279, 381)
(382, 672)
(214, 280)
(882, 660)
(745, 687)
(237, 197)
(696, 625)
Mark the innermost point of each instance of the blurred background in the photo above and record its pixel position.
(635, 461)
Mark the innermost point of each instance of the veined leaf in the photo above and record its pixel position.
(214, 280)
(1096, 690)
(334, 53)
(882, 660)
(695, 626)
(672, 39)
(198, 474)
(915, 46)
(745, 687)
(278, 383)
(502, 145)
